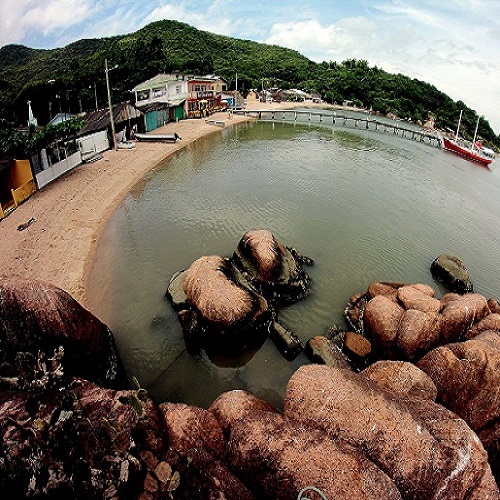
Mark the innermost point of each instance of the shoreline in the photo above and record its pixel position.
(70, 214)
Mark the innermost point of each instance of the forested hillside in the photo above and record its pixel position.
(66, 79)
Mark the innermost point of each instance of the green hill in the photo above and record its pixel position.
(67, 77)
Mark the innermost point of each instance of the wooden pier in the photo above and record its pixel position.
(368, 123)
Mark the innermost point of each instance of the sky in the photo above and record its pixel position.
(453, 44)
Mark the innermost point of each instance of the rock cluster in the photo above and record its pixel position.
(394, 430)
(230, 303)
(404, 321)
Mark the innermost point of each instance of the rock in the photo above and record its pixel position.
(418, 298)
(201, 476)
(469, 469)
(411, 440)
(417, 333)
(79, 441)
(278, 458)
(357, 348)
(467, 376)
(381, 320)
(221, 302)
(285, 340)
(354, 311)
(232, 406)
(36, 319)
(189, 427)
(387, 289)
(405, 321)
(322, 350)
(459, 314)
(490, 322)
(175, 292)
(452, 272)
(222, 313)
(494, 306)
(401, 379)
(271, 268)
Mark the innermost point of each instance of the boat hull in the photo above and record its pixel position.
(471, 155)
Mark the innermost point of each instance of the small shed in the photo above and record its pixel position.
(16, 184)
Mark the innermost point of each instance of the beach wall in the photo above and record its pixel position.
(50, 174)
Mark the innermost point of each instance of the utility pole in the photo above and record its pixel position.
(109, 103)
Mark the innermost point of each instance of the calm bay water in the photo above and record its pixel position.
(364, 205)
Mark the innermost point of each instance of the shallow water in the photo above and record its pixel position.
(364, 205)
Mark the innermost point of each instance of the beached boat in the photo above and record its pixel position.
(468, 150)
(157, 137)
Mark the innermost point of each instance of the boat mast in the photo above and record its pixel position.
(458, 126)
(475, 134)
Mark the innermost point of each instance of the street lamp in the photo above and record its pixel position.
(109, 101)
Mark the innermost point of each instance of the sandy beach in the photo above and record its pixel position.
(70, 213)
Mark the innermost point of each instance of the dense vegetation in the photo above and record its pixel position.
(67, 79)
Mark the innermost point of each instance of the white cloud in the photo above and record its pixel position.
(23, 17)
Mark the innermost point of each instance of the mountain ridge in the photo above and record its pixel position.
(70, 77)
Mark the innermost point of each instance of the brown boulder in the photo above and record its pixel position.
(190, 427)
(271, 268)
(37, 318)
(401, 379)
(381, 320)
(387, 289)
(490, 322)
(203, 477)
(221, 302)
(417, 333)
(459, 314)
(349, 407)
(231, 406)
(320, 349)
(419, 297)
(494, 305)
(467, 376)
(278, 458)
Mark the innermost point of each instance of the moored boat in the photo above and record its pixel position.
(468, 150)
(470, 153)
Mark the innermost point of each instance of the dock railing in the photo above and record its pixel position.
(322, 117)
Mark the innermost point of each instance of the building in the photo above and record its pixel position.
(16, 184)
(182, 95)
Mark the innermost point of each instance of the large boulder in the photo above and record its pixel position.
(232, 406)
(452, 272)
(271, 267)
(418, 444)
(203, 477)
(221, 310)
(467, 377)
(401, 379)
(278, 458)
(38, 320)
(80, 441)
(190, 427)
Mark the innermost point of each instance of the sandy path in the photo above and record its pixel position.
(71, 212)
